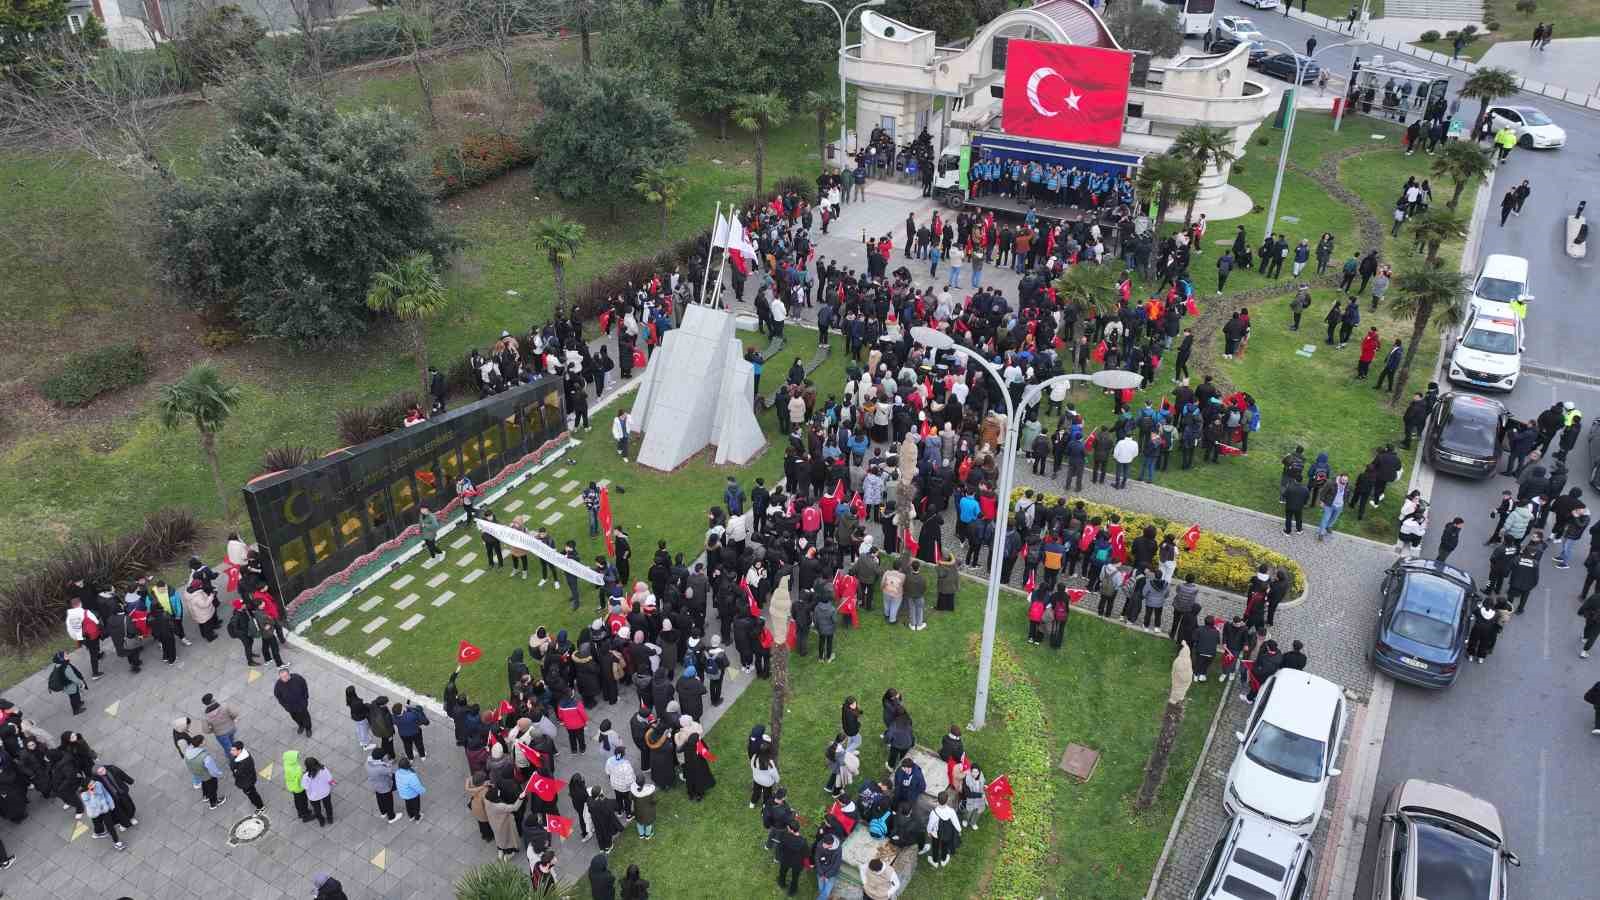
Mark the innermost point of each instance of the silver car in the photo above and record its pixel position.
(1438, 841)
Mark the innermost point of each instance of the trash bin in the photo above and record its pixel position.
(1338, 104)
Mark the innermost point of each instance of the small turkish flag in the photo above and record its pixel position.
(766, 638)
(1074, 595)
(755, 608)
(534, 757)
(910, 543)
(791, 638)
(466, 653)
(1119, 544)
(1191, 538)
(544, 786)
(837, 813)
(504, 709)
(704, 752)
(847, 607)
(999, 795)
(560, 826)
(605, 522)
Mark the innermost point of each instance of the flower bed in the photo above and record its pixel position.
(478, 159)
(1218, 560)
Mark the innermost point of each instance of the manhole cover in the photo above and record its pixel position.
(248, 829)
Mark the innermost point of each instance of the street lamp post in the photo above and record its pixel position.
(843, 19)
(1300, 63)
(1115, 379)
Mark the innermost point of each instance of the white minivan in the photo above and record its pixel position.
(1502, 280)
(1488, 354)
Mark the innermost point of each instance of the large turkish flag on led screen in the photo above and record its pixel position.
(1064, 92)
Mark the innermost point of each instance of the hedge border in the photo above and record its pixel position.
(1024, 841)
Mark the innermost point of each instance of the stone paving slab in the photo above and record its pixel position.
(472, 576)
(402, 582)
(460, 542)
(438, 579)
(444, 598)
(406, 601)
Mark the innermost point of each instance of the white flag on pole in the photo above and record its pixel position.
(737, 240)
(719, 237)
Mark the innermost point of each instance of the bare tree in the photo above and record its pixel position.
(494, 26)
(425, 27)
(308, 18)
(104, 105)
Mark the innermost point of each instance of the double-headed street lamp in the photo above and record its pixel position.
(843, 21)
(1113, 379)
(1300, 64)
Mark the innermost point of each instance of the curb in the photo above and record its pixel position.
(1352, 820)
(1188, 794)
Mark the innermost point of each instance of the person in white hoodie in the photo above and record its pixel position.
(944, 827)
(619, 432)
(86, 628)
(622, 777)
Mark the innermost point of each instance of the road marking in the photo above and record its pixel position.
(569, 487)
(78, 830)
(371, 604)
(546, 503)
(472, 576)
(374, 625)
(438, 579)
(554, 518)
(381, 860)
(460, 542)
(513, 506)
(253, 677)
(112, 709)
(537, 487)
(265, 772)
(444, 598)
(407, 601)
(412, 622)
(1544, 778)
(337, 627)
(402, 582)
(379, 647)
(467, 560)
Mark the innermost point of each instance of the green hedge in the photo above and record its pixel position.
(91, 373)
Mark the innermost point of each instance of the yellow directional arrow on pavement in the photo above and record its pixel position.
(381, 860)
(266, 771)
(112, 709)
(78, 830)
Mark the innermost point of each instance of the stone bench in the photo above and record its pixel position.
(861, 847)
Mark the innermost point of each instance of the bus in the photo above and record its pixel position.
(1196, 15)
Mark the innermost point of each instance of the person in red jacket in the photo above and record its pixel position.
(1369, 351)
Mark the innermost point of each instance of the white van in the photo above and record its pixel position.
(1258, 860)
(1488, 354)
(1503, 279)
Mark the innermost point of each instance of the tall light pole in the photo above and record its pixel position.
(843, 19)
(1115, 379)
(1300, 64)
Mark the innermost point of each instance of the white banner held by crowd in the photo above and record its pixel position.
(522, 540)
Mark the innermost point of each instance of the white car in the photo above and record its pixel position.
(1258, 860)
(1501, 281)
(1287, 751)
(1488, 354)
(1532, 127)
(1261, 4)
(1237, 27)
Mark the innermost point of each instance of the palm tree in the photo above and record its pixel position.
(1203, 146)
(759, 114)
(1488, 84)
(559, 238)
(1429, 293)
(203, 399)
(1464, 163)
(825, 106)
(1434, 227)
(1091, 287)
(664, 189)
(410, 290)
(1169, 178)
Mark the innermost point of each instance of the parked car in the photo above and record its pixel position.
(1594, 453)
(1438, 841)
(1257, 52)
(1282, 65)
(1259, 860)
(1423, 621)
(1502, 279)
(1463, 434)
(1488, 354)
(1287, 750)
(1532, 127)
(1238, 28)
(1261, 4)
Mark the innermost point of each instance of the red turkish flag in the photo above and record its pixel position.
(1191, 538)
(999, 794)
(605, 521)
(1066, 92)
(1119, 544)
(704, 752)
(1075, 595)
(905, 537)
(755, 608)
(504, 709)
(545, 787)
(558, 825)
(837, 813)
(466, 653)
(766, 638)
(534, 757)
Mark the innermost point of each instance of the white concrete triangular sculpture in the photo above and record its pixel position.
(697, 390)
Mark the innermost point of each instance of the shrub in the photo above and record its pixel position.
(494, 881)
(1491, 25)
(1220, 561)
(1526, 6)
(359, 424)
(32, 605)
(1451, 34)
(277, 459)
(1430, 36)
(88, 374)
(461, 377)
(1469, 30)
(218, 339)
(478, 159)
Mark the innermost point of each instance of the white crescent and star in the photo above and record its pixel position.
(1037, 78)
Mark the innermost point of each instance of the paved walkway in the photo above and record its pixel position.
(1568, 62)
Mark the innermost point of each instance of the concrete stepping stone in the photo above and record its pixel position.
(429, 563)
(414, 621)
(405, 602)
(438, 579)
(538, 487)
(460, 542)
(569, 487)
(379, 647)
(336, 627)
(444, 598)
(546, 503)
(576, 502)
(371, 604)
(560, 473)
(472, 576)
(554, 518)
(513, 506)
(375, 624)
(402, 581)
(467, 560)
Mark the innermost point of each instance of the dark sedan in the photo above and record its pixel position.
(1224, 45)
(1282, 65)
(1422, 623)
(1464, 434)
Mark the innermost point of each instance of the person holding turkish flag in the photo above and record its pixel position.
(466, 654)
(1066, 92)
(1191, 538)
(544, 787)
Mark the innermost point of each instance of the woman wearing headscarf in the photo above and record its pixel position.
(663, 756)
(697, 777)
(502, 814)
(602, 884)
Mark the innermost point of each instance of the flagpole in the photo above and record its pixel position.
(717, 289)
(705, 277)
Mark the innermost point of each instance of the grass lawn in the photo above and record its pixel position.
(1104, 689)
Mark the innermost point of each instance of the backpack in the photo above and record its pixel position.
(1102, 554)
(58, 679)
(237, 628)
(879, 827)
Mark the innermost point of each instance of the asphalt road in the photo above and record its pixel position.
(1514, 730)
